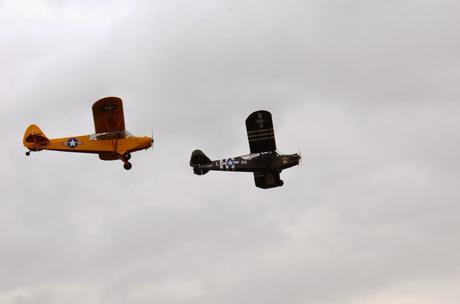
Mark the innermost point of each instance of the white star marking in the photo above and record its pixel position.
(72, 143)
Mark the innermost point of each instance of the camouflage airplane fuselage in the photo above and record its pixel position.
(256, 162)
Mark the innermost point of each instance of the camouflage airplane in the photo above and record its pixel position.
(264, 161)
(111, 141)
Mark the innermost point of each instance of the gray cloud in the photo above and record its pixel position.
(367, 90)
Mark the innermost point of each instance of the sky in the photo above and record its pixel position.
(366, 90)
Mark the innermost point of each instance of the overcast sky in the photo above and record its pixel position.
(367, 90)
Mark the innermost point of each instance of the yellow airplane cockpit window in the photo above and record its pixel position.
(110, 135)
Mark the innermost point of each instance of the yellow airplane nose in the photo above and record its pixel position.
(147, 142)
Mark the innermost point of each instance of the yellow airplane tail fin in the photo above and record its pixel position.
(34, 138)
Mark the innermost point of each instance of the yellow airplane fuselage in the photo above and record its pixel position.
(107, 148)
(85, 144)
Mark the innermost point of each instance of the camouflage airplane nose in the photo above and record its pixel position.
(299, 158)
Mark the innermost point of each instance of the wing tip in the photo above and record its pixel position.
(113, 99)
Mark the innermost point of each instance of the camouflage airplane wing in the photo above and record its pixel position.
(259, 126)
(108, 115)
(267, 179)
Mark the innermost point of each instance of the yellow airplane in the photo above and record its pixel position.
(111, 141)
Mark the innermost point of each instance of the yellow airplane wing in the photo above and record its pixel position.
(108, 115)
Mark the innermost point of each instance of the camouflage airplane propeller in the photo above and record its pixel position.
(264, 161)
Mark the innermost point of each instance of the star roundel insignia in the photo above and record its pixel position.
(108, 107)
(72, 143)
(230, 162)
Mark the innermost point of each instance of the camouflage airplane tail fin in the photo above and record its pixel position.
(34, 138)
(199, 161)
